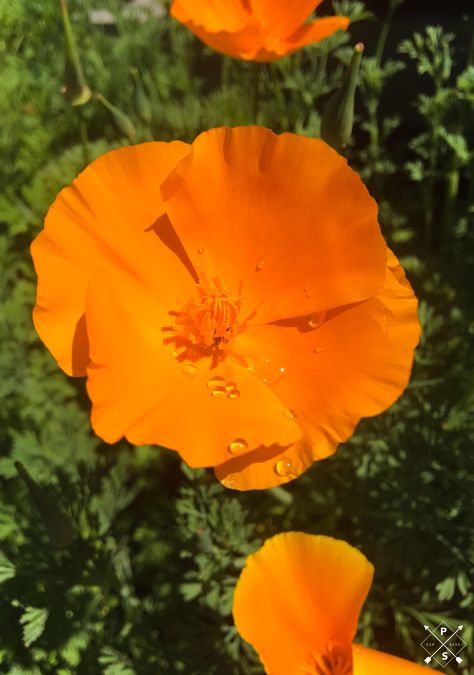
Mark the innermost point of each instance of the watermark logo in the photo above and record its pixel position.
(444, 645)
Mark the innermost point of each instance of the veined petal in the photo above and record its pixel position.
(139, 389)
(213, 16)
(281, 18)
(296, 595)
(316, 31)
(372, 662)
(329, 370)
(104, 218)
(288, 219)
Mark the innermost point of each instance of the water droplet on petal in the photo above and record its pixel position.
(229, 481)
(237, 446)
(197, 264)
(285, 468)
(317, 319)
(189, 370)
(282, 370)
(200, 250)
(307, 291)
(289, 415)
(215, 382)
(175, 354)
(317, 350)
(218, 392)
(233, 394)
(260, 265)
(230, 386)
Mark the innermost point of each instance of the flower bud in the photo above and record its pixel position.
(122, 120)
(57, 525)
(338, 115)
(74, 88)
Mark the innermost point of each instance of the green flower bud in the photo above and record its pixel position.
(57, 525)
(338, 115)
(74, 88)
(122, 120)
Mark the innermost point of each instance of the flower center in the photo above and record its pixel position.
(206, 323)
(336, 659)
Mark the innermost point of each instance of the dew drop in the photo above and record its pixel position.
(233, 394)
(175, 354)
(307, 291)
(284, 467)
(215, 382)
(289, 415)
(229, 481)
(317, 350)
(260, 265)
(317, 319)
(219, 392)
(200, 250)
(237, 446)
(189, 370)
(197, 264)
(230, 386)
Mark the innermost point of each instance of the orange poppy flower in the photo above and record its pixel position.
(233, 300)
(298, 602)
(256, 30)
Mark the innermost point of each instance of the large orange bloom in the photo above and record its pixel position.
(298, 602)
(233, 300)
(255, 30)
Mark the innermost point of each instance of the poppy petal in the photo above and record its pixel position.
(288, 219)
(372, 662)
(140, 390)
(329, 370)
(307, 34)
(243, 44)
(298, 593)
(316, 31)
(280, 18)
(212, 15)
(99, 220)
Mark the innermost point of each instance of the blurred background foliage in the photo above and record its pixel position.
(121, 560)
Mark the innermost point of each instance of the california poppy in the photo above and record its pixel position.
(298, 602)
(232, 299)
(255, 30)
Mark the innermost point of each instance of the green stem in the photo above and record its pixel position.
(384, 32)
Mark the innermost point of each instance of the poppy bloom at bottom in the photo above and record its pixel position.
(298, 602)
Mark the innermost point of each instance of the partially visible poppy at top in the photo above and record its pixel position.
(298, 602)
(256, 30)
(232, 299)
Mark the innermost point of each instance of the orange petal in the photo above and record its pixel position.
(140, 390)
(212, 15)
(280, 18)
(316, 31)
(287, 218)
(298, 593)
(354, 364)
(99, 220)
(307, 34)
(243, 44)
(372, 662)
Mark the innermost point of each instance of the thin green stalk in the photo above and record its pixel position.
(379, 50)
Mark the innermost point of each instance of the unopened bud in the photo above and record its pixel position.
(122, 120)
(57, 525)
(338, 116)
(74, 88)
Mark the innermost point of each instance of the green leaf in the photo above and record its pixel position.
(7, 568)
(33, 621)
